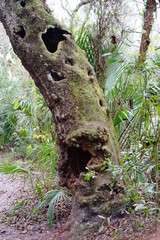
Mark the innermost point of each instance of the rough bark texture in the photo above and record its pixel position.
(147, 27)
(83, 124)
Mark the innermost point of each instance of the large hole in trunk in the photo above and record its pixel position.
(52, 37)
(78, 160)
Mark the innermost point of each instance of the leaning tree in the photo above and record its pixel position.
(83, 124)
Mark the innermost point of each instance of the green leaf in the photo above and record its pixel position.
(121, 116)
(23, 133)
(39, 192)
(16, 105)
(103, 168)
(158, 110)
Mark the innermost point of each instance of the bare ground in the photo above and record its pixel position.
(10, 189)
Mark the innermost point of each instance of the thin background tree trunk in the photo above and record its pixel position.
(147, 27)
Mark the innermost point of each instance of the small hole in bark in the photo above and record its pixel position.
(23, 4)
(21, 32)
(90, 73)
(100, 103)
(78, 160)
(69, 61)
(57, 76)
(52, 37)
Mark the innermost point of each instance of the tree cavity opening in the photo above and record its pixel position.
(57, 76)
(21, 32)
(52, 37)
(23, 4)
(78, 160)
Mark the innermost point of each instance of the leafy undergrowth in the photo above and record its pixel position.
(132, 226)
(20, 213)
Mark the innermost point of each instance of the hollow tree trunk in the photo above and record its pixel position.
(69, 86)
(147, 27)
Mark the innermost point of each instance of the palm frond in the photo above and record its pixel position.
(53, 199)
(12, 169)
(85, 42)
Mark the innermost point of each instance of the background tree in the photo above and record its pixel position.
(106, 27)
(150, 9)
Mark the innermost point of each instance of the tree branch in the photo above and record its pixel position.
(82, 3)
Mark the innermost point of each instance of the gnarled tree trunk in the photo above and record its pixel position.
(69, 86)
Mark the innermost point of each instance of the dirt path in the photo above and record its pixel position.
(9, 190)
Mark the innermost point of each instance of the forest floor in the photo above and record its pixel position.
(23, 227)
